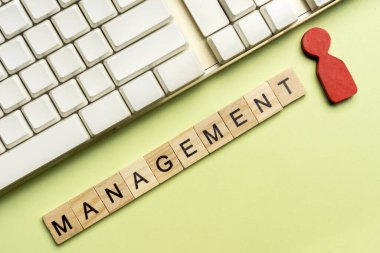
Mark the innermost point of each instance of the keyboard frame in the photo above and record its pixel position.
(208, 73)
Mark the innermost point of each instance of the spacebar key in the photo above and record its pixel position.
(41, 149)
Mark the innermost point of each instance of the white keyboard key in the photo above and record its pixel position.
(43, 39)
(261, 2)
(15, 55)
(38, 78)
(70, 23)
(68, 98)
(225, 44)
(104, 113)
(316, 4)
(40, 9)
(208, 15)
(14, 129)
(151, 50)
(178, 71)
(123, 5)
(236, 9)
(142, 91)
(136, 23)
(2, 148)
(98, 11)
(13, 19)
(279, 14)
(66, 63)
(12, 94)
(41, 149)
(3, 73)
(252, 29)
(2, 39)
(41, 113)
(65, 3)
(93, 47)
(95, 82)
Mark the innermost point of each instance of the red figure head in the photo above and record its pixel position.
(316, 42)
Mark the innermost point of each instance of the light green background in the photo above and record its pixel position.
(305, 181)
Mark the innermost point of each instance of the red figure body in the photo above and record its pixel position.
(332, 72)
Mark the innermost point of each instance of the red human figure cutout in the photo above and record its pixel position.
(332, 72)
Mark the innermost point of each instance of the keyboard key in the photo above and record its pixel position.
(38, 78)
(2, 39)
(40, 9)
(49, 43)
(95, 82)
(225, 44)
(279, 14)
(147, 52)
(68, 98)
(178, 71)
(123, 5)
(98, 11)
(104, 113)
(252, 29)
(41, 113)
(236, 9)
(12, 94)
(70, 23)
(93, 47)
(261, 2)
(142, 91)
(3, 73)
(66, 63)
(136, 23)
(2, 148)
(13, 19)
(14, 129)
(41, 149)
(65, 3)
(316, 4)
(208, 15)
(15, 55)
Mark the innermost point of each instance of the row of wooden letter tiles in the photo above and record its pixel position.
(173, 157)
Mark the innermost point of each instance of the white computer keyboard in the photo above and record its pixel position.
(71, 70)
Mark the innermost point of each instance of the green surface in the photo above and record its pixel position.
(307, 180)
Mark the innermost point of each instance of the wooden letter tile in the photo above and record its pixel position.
(139, 178)
(287, 87)
(62, 223)
(163, 163)
(88, 208)
(188, 147)
(238, 117)
(213, 132)
(114, 193)
(263, 102)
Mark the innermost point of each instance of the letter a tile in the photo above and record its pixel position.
(88, 208)
(139, 178)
